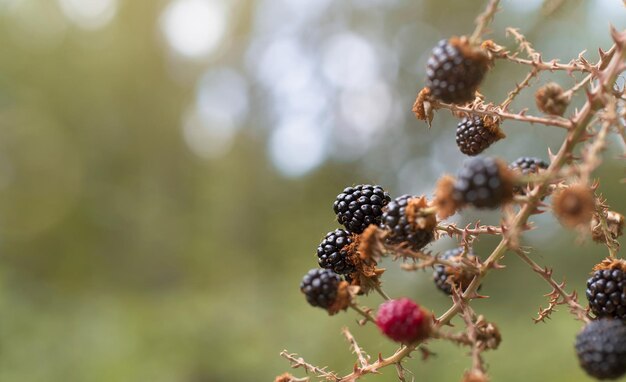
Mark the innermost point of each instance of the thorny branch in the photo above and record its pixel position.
(600, 95)
(299, 362)
(557, 293)
(481, 109)
(484, 19)
(361, 356)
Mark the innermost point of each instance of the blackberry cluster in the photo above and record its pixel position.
(359, 206)
(482, 183)
(333, 253)
(473, 136)
(454, 71)
(442, 274)
(400, 230)
(601, 348)
(528, 165)
(606, 292)
(320, 287)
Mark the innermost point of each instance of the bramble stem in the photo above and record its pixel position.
(483, 20)
(493, 111)
(381, 292)
(365, 313)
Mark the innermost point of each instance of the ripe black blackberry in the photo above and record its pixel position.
(601, 348)
(606, 289)
(460, 277)
(474, 134)
(483, 182)
(396, 220)
(455, 69)
(320, 287)
(359, 206)
(333, 252)
(528, 165)
(525, 166)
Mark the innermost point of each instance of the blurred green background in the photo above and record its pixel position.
(167, 169)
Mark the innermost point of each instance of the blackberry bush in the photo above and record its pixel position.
(376, 226)
(359, 206)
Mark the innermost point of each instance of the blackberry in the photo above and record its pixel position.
(601, 348)
(333, 253)
(606, 292)
(396, 221)
(359, 206)
(403, 320)
(320, 287)
(528, 165)
(483, 182)
(525, 166)
(474, 134)
(442, 273)
(455, 69)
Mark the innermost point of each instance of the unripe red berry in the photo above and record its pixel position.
(403, 320)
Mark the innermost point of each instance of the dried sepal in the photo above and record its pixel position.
(492, 124)
(574, 205)
(419, 216)
(366, 274)
(610, 264)
(444, 201)
(371, 244)
(285, 377)
(614, 223)
(343, 299)
(470, 51)
(551, 99)
(487, 334)
(422, 108)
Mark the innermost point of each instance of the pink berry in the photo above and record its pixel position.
(403, 320)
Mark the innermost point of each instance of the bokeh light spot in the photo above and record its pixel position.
(89, 14)
(349, 61)
(297, 146)
(194, 28)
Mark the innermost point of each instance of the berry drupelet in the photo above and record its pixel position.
(333, 252)
(320, 286)
(601, 348)
(455, 69)
(359, 206)
(397, 222)
(483, 182)
(475, 134)
(460, 277)
(403, 321)
(606, 289)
